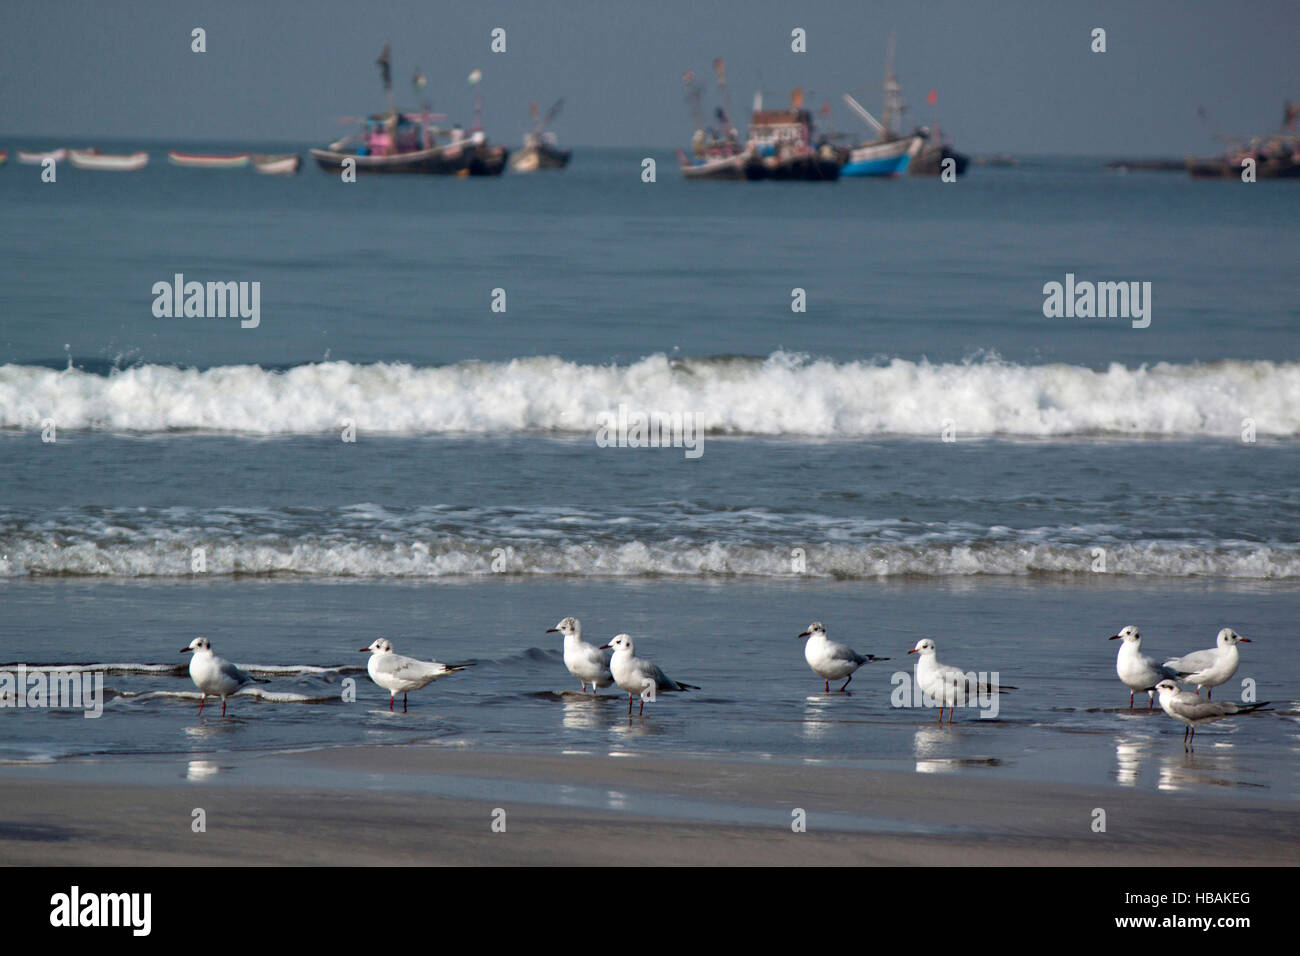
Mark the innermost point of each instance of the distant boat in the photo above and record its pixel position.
(468, 156)
(1001, 159)
(35, 159)
(116, 162)
(284, 164)
(541, 149)
(718, 165)
(716, 153)
(208, 160)
(890, 153)
(929, 160)
(4, 156)
(395, 142)
(781, 145)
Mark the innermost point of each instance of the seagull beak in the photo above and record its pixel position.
(604, 647)
(912, 651)
(1245, 639)
(552, 630)
(186, 650)
(363, 650)
(1113, 637)
(805, 633)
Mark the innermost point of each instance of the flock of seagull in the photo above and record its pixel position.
(617, 663)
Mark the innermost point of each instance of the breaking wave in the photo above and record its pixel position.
(784, 394)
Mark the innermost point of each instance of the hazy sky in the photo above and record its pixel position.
(1011, 76)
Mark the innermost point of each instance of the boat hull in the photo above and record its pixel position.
(35, 159)
(1223, 169)
(721, 169)
(94, 159)
(284, 165)
(532, 158)
(453, 160)
(808, 168)
(929, 161)
(208, 160)
(881, 159)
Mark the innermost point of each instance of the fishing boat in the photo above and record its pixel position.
(781, 145)
(929, 160)
(1276, 156)
(36, 159)
(397, 142)
(716, 152)
(541, 149)
(114, 162)
(4, 156)
(208, 160)
(283, 164)
(890, 153)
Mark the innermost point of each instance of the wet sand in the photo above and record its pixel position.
(426, 805)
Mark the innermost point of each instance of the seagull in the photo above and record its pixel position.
(948, 684)
(830, 660)
(1135, 669)
(214, 675)
(1191, 710)
(636, 675)
(1212, 667)
(395, 672)
(587, 662)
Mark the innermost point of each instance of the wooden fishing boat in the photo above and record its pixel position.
(282, 164)
(468, 156)
(541, 150)
(208, 160)
(4, 156)
(781, 146)
(395, 142)
(36, 159)
(718, 165)
(114, 162)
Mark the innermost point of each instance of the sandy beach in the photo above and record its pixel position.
(429, 806)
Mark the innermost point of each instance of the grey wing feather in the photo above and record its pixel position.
(1191, 663)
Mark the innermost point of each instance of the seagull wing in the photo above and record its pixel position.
(1191, 663)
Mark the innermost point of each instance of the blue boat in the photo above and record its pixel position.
(890, 152)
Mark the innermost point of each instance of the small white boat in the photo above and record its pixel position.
(281, 165)
(36, 159)
(116, 162)
(208, 160)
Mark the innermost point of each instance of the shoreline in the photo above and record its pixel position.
(424, 805)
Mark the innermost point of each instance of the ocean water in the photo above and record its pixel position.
(1098, 478)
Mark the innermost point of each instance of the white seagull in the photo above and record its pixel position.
(397, 673)
(1212, 667)
(947, 684)
(214, 675)
(636, 675)
(1191, 710)
(587, 662)
(1135, 669)
(830, 660)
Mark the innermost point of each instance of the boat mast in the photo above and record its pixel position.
(892, 112)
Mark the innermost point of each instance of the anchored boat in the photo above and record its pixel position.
(890, 153)
(37, 158)
(283, 164)
(208, 160)
(395, 142)
(716, 152)
(114, 162)
(781, 145)
(541, 148)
